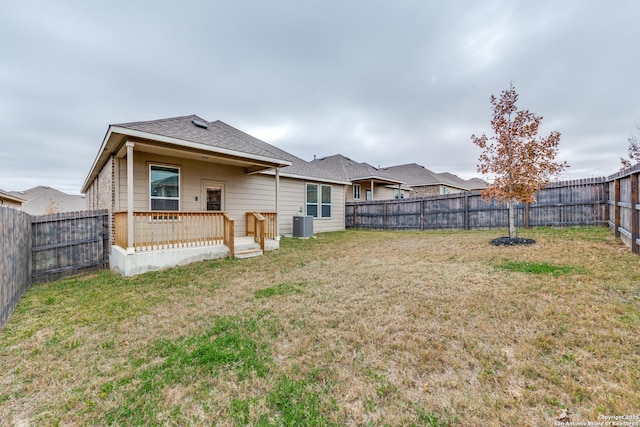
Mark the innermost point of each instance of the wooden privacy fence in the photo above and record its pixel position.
(69, 243)
(48, 247)
(571, 203)
(15, 262)
(624, 206)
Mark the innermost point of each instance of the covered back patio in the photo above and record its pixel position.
(167, 238)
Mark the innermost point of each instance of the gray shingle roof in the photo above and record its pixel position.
(352, 170)
(416, 175)
(215, 135)
(43, 200)
(477, 183)
(221, 135)
(299, 167)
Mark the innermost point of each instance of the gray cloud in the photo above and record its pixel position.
(381, 82)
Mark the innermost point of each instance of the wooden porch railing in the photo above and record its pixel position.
(269, 225)
(153, 230)
(229, 233)
(261, 225)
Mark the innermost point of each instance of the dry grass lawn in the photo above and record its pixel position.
(351, 328)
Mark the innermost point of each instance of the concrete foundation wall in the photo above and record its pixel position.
(141, 262)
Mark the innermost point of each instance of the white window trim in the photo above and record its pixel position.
(319, 203)
(306, 200)
(207, 183)
(165, 198)
(357, 187)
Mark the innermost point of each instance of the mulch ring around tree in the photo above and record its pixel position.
(507, 241)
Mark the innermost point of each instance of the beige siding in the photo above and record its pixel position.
(292, 199)
(348, 194)
(379, 192)
(242, 193)
(383, 193)
(10, 203)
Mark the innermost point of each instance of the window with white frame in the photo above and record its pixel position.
(164, 188)
(356, 191)
(319, 200)
(398, 194)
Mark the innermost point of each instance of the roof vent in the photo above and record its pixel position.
(200, 124)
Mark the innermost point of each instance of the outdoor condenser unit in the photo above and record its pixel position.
(302, 226)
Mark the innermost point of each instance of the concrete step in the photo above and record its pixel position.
(247, 253)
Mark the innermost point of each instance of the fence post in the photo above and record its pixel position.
(607, 215)
(635, 219)
(384, 216)
(466, 210)
(355, 215)
(561, 207)
(105, 240)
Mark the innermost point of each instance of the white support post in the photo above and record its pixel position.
(130, 231)
(277, 203)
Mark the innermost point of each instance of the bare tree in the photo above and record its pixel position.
(521, 162)
(633, 150)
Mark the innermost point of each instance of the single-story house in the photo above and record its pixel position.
(424, 182)
(10, 200)
(184, 189)
(367, 181)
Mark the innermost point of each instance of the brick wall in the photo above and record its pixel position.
(100, 194)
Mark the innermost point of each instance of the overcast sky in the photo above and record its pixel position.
(383, 82)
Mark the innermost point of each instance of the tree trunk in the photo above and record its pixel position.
(512, 219)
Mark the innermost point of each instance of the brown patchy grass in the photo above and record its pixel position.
(350, 328)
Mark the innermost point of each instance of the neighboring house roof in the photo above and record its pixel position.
(43, 200)
(452, 180)
(467, 184)
(353, 171)
(194, 133)
(477, 183)
(299, 168)
(416, 175)
(5, 195)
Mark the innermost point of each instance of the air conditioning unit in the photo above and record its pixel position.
(302, 226)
